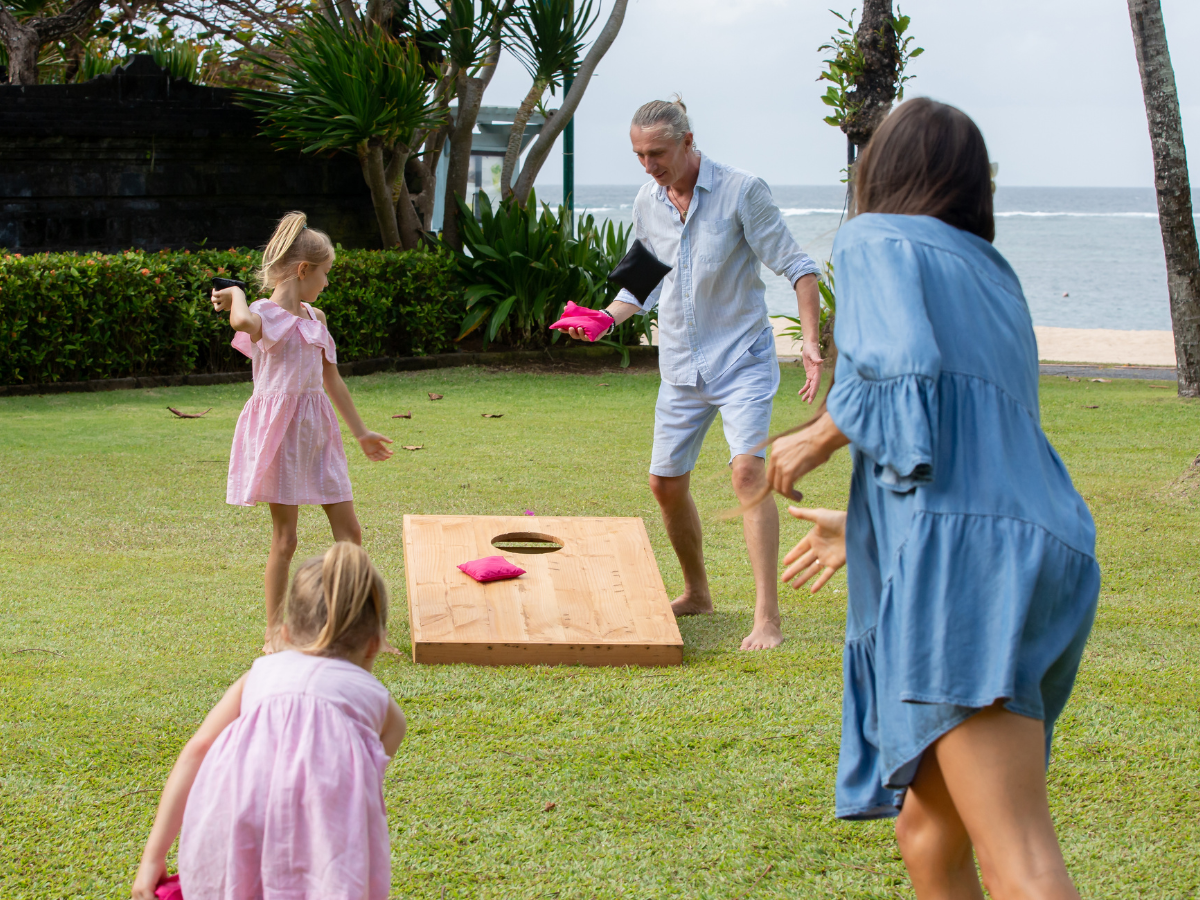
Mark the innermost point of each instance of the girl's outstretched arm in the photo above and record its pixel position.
(373, 444)
(169, 817)
(240, 318)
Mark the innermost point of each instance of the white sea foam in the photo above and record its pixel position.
(809, 211)
(1079, 215)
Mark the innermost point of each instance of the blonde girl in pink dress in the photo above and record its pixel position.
(280, 791)
(287, 448)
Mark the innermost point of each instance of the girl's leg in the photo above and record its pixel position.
(994, 769)
(343, 522)
(933, 840)
(279, 563)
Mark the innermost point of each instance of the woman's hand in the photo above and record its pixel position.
(149, 874)
(822, 550)
(375, 445)
(795, 455)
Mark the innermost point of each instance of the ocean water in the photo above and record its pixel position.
(1086, 257)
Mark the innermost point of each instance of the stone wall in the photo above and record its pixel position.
(136, 159)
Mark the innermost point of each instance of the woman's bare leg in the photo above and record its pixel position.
(933, 840)
(279, 563)
(993, 769)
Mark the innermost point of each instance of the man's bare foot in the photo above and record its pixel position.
(764, 636)
(691, 606)
(388, 648)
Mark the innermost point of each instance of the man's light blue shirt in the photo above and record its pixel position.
(712, 304)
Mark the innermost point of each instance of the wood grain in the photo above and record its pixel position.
(600, 600)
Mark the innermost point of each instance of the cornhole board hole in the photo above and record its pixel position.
(591, 593)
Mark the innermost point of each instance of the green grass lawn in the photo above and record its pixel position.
(119, 555)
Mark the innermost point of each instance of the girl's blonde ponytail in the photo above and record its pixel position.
(292, 243)
(338, 602)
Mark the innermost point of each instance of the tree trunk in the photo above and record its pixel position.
(512, 154)
(23, 40)
(458, 168)
(875, 88)
(552, 129)
(370, 157)
(22, 45)
(1172, 187)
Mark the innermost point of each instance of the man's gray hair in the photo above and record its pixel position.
(669, 115)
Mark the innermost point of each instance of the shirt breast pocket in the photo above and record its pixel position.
(718, 239)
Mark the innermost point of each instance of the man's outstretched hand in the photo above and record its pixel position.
(822, 550)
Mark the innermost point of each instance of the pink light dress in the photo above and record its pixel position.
(288, 803)
(287, 447)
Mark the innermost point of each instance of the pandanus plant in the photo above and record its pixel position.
(351, 86)
(547, 37)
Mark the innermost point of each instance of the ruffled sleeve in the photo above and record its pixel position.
(884, 397)
(315, 332)
(276, 323)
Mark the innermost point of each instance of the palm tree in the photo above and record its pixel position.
(355, 88)
(1173, 188)
(547, 37)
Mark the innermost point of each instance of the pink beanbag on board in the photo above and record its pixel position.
(169, 889)
(593, 322)
(491, 568)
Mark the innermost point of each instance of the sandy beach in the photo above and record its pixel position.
(1104, 346)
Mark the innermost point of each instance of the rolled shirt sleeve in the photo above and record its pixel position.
(768, 235)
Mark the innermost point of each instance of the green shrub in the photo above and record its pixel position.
(523, 266)
(73, 317)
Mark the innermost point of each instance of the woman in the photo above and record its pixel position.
(970, 556)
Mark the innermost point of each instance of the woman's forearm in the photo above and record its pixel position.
(620, 311)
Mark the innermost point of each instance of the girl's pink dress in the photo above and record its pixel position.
(289, 800)
(287, 447)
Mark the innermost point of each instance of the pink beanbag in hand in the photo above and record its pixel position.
(593, 322)
(491, 568)
(169, 889)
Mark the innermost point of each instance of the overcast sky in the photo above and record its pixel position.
(1052, 83)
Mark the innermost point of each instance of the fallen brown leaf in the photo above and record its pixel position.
(403, 415)
(604, 384)
(433, 396)
(549, 806)
(1091, 407)
(1072, 378)
(413, 447)
(184, 415)
(493, 415)
(1103, 380)
(1161, 387)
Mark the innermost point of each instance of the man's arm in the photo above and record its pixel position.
(772, 242)
(808, 302)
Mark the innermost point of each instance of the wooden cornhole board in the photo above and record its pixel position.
(599, 601)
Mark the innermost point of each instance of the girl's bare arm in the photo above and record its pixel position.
(233, 300)
(169, 817)
(394, 728)
(372, 443)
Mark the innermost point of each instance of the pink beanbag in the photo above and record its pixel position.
(491, 568)
(593, 322)
(169, 889)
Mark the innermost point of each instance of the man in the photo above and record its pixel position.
(714, 224)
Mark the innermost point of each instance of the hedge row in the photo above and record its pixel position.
(73, 317)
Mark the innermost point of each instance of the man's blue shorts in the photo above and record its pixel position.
(742, 395)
